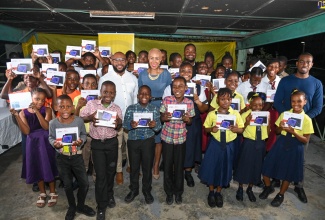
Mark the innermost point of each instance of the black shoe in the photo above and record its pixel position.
(101, 214)
(219, 200)
(111, 202)
(301, 194)
(123, 162)
(266, 192)
(148, 197)
(251, 195)
(189, 180)
(86, 210)
(71, 213)
(275, 183)
(130, 197)
(35, 187)
(277, 201)
(169, 199)
(260, 184)
(178, 199)
(239, 194)
(211, 201)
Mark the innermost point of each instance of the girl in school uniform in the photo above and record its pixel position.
(252, 150)
(285, 159)
(217, 165)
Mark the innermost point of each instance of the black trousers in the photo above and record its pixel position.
(104, 155)
(68, 167)
(141, 152)
(174, 156)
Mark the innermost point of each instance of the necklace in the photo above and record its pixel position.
(153, 76)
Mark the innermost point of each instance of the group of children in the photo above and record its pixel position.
(227, 156)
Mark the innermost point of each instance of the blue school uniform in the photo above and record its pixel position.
(285, 159)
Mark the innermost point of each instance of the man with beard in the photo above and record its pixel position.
(190, 56)
(313, 89)
(126, 94)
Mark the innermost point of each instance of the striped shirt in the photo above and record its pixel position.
(174, 131)
(141, 133)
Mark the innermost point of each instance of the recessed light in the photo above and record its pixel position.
(205, 7)
(217, 10)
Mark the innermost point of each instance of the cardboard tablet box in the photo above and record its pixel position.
(20, 100)
(294, 120)
(88, 45)
(270, 93)
(49, 67)
(56, 57)
(140, 67)
(191, 90)
(218, 83)
(260, 118)
(203, 78)
(177, 110)
(72, 52)
(41, 50)
(143, 118)
(90, 94)
(105, 51)
(106, 118)
(82, 73)
(174, 71)
(55, 78)
(21, 66)
(235, 104)
(66, 136)
(224, 121)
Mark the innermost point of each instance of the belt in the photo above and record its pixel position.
(102, 140)
(156, 98)
(71, 153)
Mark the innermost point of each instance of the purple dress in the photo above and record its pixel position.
(40, 155)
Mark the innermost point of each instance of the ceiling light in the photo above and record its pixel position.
(122, 14)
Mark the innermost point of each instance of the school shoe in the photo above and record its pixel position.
(189, 180)
(211, 200)
(148, 197)
(100, 214)
(86, 210)
(178, 199)
(266, 192)
(169, 199)
(219, 200)
(111, 202)
(71, 213)
(301, 194)
(239, 194)
(35, 187)
(260, 184)
(275, 183)
(251, 195)
(130, 197)
(277, 201)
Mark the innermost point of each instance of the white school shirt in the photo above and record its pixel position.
(126, 88)
(266, 80)
(245, 88)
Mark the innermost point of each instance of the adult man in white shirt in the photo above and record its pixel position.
(126, 94)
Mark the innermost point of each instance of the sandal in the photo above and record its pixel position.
(41, 200)
(52, 201)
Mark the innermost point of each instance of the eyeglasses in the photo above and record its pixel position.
(122, 60)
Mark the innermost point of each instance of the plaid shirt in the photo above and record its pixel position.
(174, 131)
(141, 133)
(100, 132)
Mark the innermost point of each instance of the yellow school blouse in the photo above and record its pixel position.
(215, 105)
(307, 125)
(250, 130)
(211, 121)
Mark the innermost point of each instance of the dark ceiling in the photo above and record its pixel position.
(222, 19)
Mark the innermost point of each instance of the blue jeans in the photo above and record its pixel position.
(68, 167)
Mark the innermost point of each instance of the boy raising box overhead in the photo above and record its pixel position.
(104, 146)
(173, 136)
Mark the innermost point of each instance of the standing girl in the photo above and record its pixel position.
(252, 150)
(285, 159)
(217, 165)
(40, 155)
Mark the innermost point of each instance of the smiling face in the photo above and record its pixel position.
(72, 80)
(202, 68)
(255, 80)
(190, 53)
(298, 101)
(232, 82)
(304, 64)
(30, 81)
(107, 92)
(256, 104)
(176, 63)
(65, 108)
(272, 69)
(143, 58)
(89, 83)
(154, 58)
(131, 58)
(220, 72)
(89, 60)
(38, 99)
(144, 96)
(224, 101)
(179, 87)
(227, 63)
(119, 62)
(209, 61)
(186, 72)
